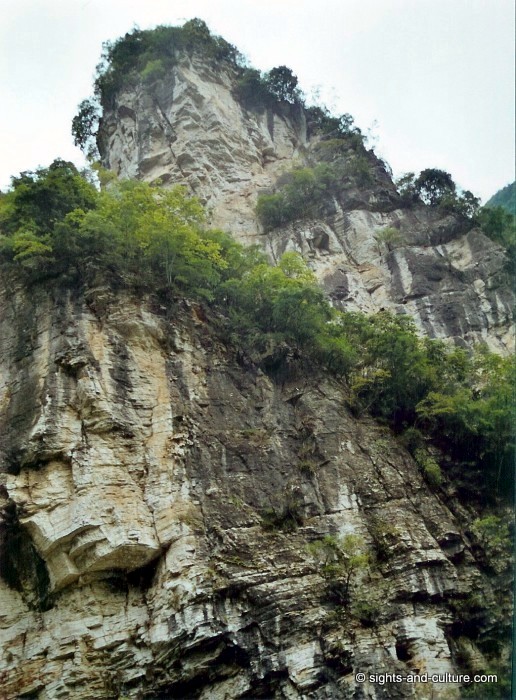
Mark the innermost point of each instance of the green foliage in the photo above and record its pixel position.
(288, 518)
(390, 237)
(320, 120)
(252, 90)
(499, 226)
(394, 373)
(436, 188)
(504, 198)
(305, 191)
(341, 562)
(493, 533)
(405, 185)
(40, 198)
(433, 185)
(282, 83)
(54, 221)
(259, 91)
(367, 611)
(475, 417)
(148, 54)
(85, 126)
(154, 70)
(385, 536)
(430, 468)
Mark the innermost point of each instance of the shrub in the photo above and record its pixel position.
(304, 192)
(341, 561)
(252, 90)
(390, 237)
(431, 470)
(153, 70)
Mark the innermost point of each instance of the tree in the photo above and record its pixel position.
(434, 185)
(282, 83)
(341, 560)
(85, 126)
(405, 184)
(40, 198)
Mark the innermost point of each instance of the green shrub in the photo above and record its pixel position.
(303, 194)
(429, 467)
(389, 236)
(341, 561)
(153, 70)
(385, 535)
(368, 611)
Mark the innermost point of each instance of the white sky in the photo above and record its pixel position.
(436, 75)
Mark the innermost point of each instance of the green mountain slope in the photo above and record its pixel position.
(506, 198)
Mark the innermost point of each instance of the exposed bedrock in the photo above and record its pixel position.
(159, 499)
(189, 128)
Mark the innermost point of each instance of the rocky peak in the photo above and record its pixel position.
(191, 127)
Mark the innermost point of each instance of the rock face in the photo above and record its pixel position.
(158, 499)
(190, 128)
(164, 504)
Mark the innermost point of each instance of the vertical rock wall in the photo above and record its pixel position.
(189, 128)
(167, 498)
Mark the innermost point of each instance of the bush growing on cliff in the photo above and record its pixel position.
(303, 192)
(500, 226)
(341, 562)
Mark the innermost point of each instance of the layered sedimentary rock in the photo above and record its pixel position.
(159, 496)
(191, 128)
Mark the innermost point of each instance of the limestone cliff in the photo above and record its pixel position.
(158, 501)
(165, 503)
(190, 127)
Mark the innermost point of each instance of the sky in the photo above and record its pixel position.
(431, 81)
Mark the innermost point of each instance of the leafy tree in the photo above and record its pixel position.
(252, 90)
(282, 83)
(40, 198)
(394, 373)
(434, 185)
(475, 417)
(85, 126)
(406, 187)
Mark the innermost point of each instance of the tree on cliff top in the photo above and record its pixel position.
(433, 185)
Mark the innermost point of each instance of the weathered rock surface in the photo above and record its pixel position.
(190, 128)
(140, 466)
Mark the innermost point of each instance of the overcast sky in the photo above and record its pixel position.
(436, 76)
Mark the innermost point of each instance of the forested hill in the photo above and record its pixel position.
(505, 198)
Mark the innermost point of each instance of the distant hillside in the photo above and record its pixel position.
(506, 198)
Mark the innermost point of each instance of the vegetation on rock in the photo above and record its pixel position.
(304, 192)
(55, 225)
(145, 56)
(505, 198)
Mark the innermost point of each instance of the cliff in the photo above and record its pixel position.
(180, 521)
(158, 505)
(191, 127)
